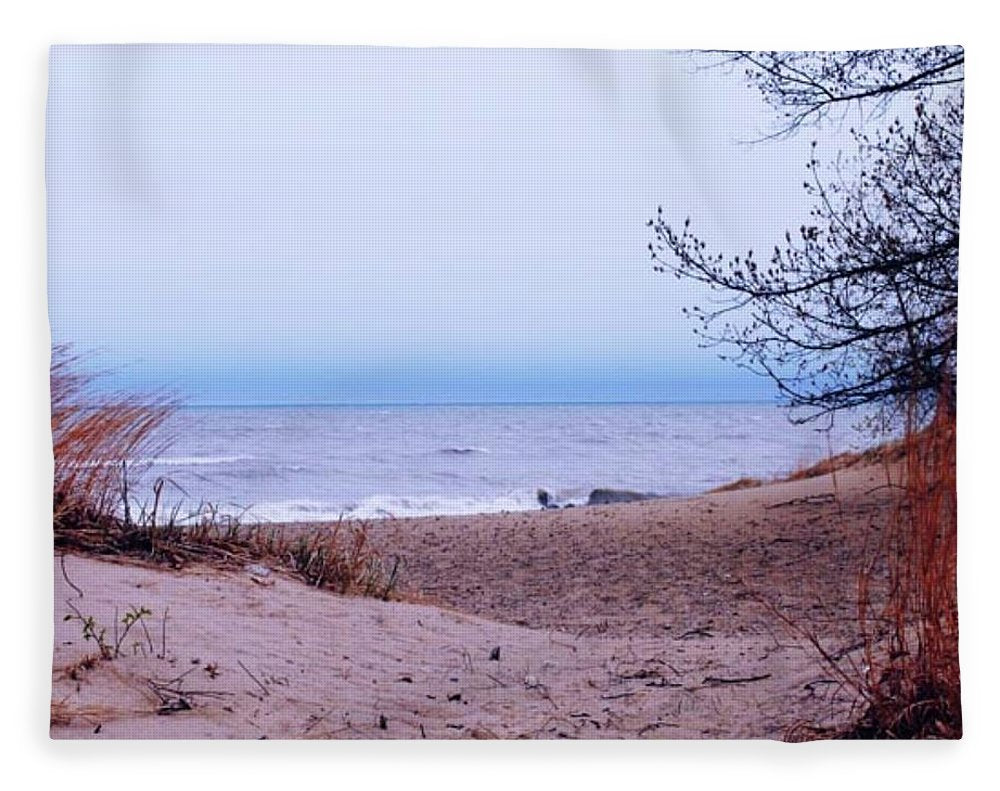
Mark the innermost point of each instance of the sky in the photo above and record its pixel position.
(243, 225)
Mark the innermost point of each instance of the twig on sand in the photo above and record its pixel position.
(813, 499)
(530, 682)
(62, 565)
(813, 686)
(654, 725)
(657, 679)
(255, 679)
(544, 692)
(660, 681)
(552, 719)
(885, 486)
(701, 631)
(570, 646)
(315, 719)
(174, 699)
(714, 681)
(178, 679)
(163, 634)
(616, 695)
(848, 649)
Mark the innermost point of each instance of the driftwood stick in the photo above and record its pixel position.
(813, 499)
(76, 612)
(62, 565)
(175, 680)
(701, 631)
(163, 634)
(715, 680)
(256, 680)
(616, 695)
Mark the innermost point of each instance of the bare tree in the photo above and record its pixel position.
(860, 305)
(806, 88)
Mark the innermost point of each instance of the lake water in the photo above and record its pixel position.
(318, 463)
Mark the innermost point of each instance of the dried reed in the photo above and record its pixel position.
(95, 438)
(911, 680)
(906, 682)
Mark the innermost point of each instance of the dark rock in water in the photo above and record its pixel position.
(545, 500)
(609, 496)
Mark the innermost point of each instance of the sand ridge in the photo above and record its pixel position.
(656, 567)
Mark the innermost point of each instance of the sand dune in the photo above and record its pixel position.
(648, 619)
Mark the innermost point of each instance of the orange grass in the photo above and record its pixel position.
(906, 683)
(738, 485)
(880, 454)
(95, 438)
(911, 680)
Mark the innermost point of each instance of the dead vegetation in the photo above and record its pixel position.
(911, 682)
(338, 557)
(904, 671)
(885, 453)
(93, 435)
(888, 452)
(96, 439)
(738, 485)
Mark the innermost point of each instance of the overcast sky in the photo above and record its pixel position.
(367, 225)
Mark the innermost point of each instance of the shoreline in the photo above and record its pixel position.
(313, 466)
(655, 619)
(888, 452)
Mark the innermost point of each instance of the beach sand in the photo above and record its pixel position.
(653, 619)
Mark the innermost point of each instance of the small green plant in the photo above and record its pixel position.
(93, 630)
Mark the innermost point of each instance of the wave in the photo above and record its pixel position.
(391, 507)
(191, 461)
(461, 451)
(382, 507)
(168, 461)
(411, 506)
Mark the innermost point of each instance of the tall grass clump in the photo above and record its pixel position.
(95, 436)
(911, 686)
(906, 683)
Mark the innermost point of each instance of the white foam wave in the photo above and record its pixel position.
(191, 461)
(167, 461)
(391, 507)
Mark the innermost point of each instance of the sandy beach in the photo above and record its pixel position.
(653, 619)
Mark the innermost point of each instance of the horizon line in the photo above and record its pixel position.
(657, 402)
